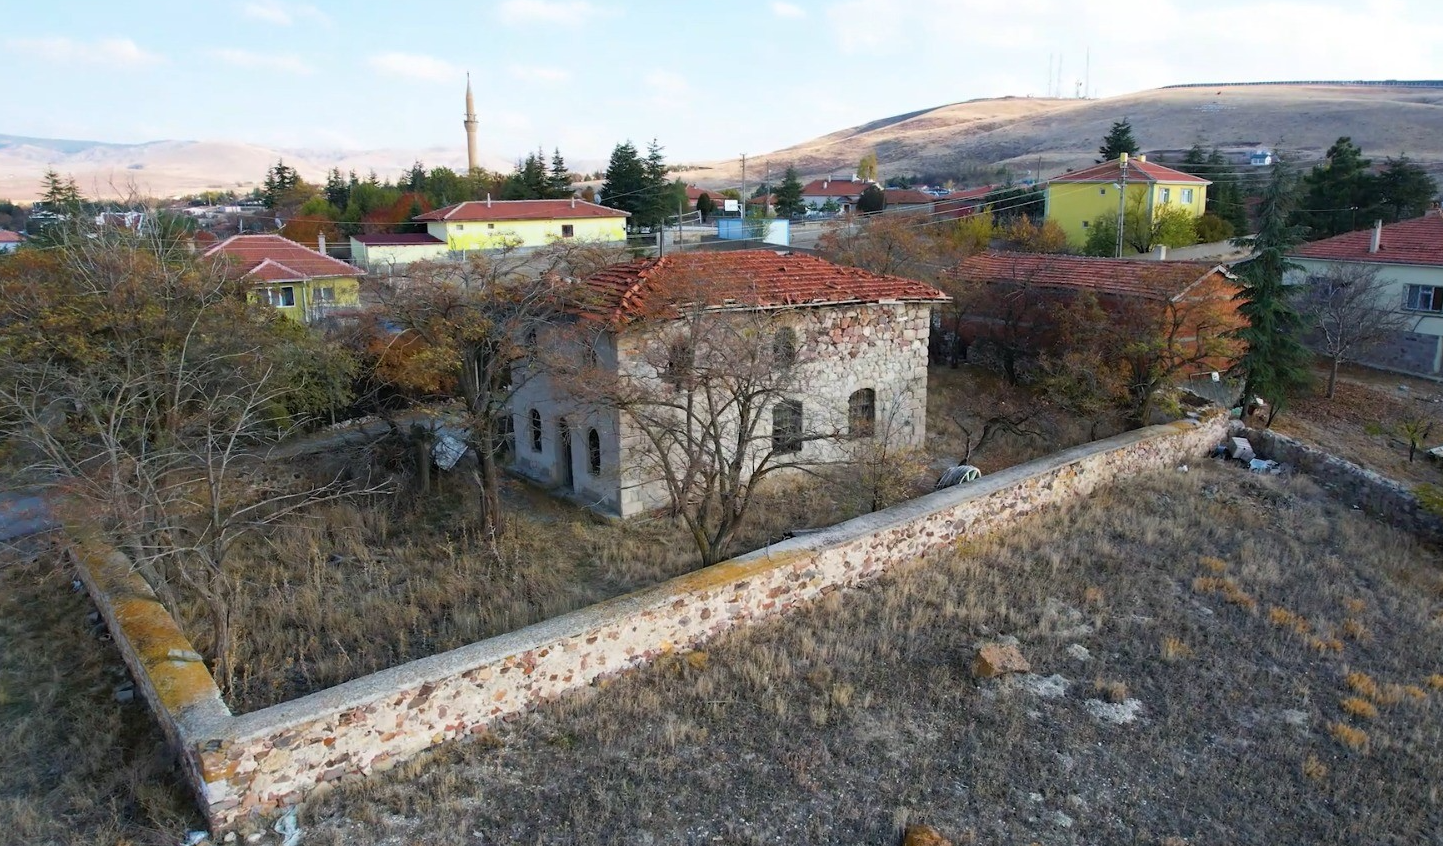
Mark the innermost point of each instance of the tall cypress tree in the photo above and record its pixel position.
(1118, 140)
(1276, 365)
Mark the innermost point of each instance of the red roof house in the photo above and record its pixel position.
(497, 210)
(274, 259)
(1418, 241)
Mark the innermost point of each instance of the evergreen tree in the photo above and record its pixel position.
(60, 193)
(558, 185)
(789, 195)
(1341, 194)
(626, 183)
(706, 205)
(1119, 140)
(1405, 190)
(873, 199)
(1275, 365)
(338, 192)
(656, 202)
(529, 181)
(1225, 194)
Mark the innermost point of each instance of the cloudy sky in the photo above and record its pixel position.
(708, 79)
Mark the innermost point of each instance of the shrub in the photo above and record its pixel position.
(1355, 739)
(1359, 707)
(1211, 228)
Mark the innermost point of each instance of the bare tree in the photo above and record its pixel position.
(1348, 310)
(716, 395)
(138, 383)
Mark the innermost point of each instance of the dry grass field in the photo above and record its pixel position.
(1280, 654)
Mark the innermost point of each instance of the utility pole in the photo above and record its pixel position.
(767, 190)
(1121, 197)
(744, 186)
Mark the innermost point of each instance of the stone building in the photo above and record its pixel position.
(847, 351)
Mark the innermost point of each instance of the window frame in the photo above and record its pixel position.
(284, 293)
(862, 413)
(1435, 301)
(568, 230)
(787, 425)
(534, 419)
(593, 452)
(784, 348)
(1166, 194)
(1186, 195)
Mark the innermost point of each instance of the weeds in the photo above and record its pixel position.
(1359, 707)
(1353, 738)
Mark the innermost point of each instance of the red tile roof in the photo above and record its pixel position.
(1137, 171)
(520, 210)
(969, 194)
(744, 279)
(1154, 280)
(276, 259)
(8, 237)
(1417, 241)
(694, 193)
(396, 239)
(834, 188)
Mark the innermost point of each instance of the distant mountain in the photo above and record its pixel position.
(170, 168)
(1023, 132)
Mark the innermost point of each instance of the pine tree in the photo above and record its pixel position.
(626, 182)
(60, 193)
(789, 195)
(1404, 189)
(1342, 194)
(1119, 140)
(558, 183)
(872, 200)
(338, 193)
(655, 209)
(1275, 365)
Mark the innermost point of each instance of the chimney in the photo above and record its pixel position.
(1160, 252)
(1122, 159)
(573, 202)
(488, 199)
(1377, 243)
(1142, 159)
(321, 243)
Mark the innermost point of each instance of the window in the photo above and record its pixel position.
(593, 453)
(326, 295)
(567, 230)
(679, 361)
(1187, 195)
(490, 226)
(1165, 194)
(535, 430)
(1102, 191)
(787, 426)
(1424, 298)
(784, 348)
(588, 355)
(862, 413)
(286, 297)
(460, 226)
(1084, 224)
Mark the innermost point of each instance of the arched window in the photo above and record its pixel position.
(787, 426)
(680, 359)
(862, 413)
(784, 348)
(593, 453)
(535, 430)
(588, 354)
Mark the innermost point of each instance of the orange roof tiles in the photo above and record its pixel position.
(276, 259)
(743, 279)
(1156, 280)
(1418, 241)
(834, 188)
(520, 210)
(1137, 171)
(907, 196)
(8, 237)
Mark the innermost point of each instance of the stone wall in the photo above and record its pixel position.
(1389, 500)
(257, 763)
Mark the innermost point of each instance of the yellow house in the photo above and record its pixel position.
(1075, 200)
(491, 224)
(301, 283)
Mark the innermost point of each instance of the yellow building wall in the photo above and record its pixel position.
(309, 305)
(382, 256)
(490, 235)
(1071, 204)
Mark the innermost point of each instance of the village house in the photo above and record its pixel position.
(1016, 294)
(1408, 257)
(301, 283)
(843, 192)
(10, 241)
(491, 224)
(857, 342)
(383, 252)
(1075, 200)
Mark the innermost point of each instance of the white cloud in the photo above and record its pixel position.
(538, 73)
(788, 10)
(417, 66)
(267, 61)
(272, 11)
(662, 82)
(562, 12)
(121, 52)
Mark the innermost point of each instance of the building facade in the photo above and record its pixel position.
(855, 342)
(1126, 185)
(382, 253)
(494, 224)
(1408, 257)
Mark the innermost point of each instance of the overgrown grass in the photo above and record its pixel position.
(841, 722)
(76, 766)
(361, 587)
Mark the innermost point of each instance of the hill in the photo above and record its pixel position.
(1298, 119)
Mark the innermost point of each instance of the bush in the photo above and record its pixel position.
(1211, 228)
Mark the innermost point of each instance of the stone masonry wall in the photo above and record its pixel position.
(257, 763)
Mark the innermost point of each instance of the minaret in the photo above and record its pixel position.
(470, 123)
